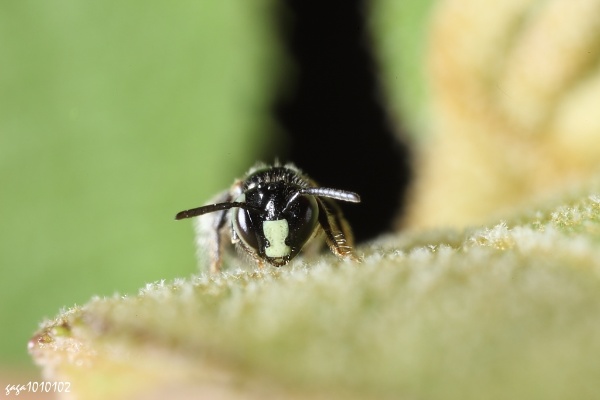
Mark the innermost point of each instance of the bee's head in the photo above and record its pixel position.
(275, 219)
(277, 222)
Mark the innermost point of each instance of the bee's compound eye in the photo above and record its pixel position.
(302, 219)
(245, 227)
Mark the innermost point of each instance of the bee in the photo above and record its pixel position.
(271, 214)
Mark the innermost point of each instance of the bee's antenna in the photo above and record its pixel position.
(194, 212)
(336, 194)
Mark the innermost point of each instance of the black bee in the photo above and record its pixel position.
(271, 214)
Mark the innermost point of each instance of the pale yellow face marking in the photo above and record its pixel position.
(276, 232)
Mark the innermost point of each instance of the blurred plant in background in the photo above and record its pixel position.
(114, 116)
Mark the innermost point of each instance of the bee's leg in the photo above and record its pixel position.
(217, 252)
(338, 233)
(211, 234)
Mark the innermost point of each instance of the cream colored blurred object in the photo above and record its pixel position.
(515, 89)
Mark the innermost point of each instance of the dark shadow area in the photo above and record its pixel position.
(339, 133)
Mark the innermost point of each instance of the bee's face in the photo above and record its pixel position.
(279, 222)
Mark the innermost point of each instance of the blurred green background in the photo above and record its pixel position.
(116, 115)
(113, 117)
